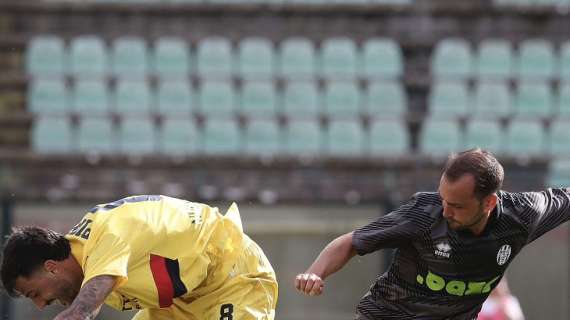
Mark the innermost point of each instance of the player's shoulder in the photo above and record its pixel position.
(423, 207)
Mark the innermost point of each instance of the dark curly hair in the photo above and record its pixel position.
(26, 250)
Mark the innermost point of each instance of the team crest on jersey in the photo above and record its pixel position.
(504, 254)
(443, 249)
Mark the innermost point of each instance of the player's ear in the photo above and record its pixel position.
(490, 202)
(50, 266)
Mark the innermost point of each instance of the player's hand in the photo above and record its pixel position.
(309, 284)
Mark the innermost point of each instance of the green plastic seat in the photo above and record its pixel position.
(137, 136)
(256, 58)
(217, 98)
(494, 59)
(536, 59)
(345, 138)
(385, 99)
(338, 57)
(129, 57)
(179, 136)
(440, 137)
(388, 138)
(258, 99)
(45, 55)
(301, 99)
(90, 97)
(565, 60)
(214, 57)
(492, 99)
(525, 138)
(88, 57)
(96, 135)
(564, 99)
(48, 97)
(342, 99)
(263, 138)
(222, 137)
(559, 142)
(452, 58)
(303, 137)
(297, 58)
(448, 99)
(133, 97)
(381, 58)
(174, 98)
(52, 135)
(171, 57)
(486, 134)
(559, 173)
(534, 99)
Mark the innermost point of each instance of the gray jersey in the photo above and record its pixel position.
(441, 273)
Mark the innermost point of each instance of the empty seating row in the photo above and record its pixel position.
(89, 56)
(136, 135)
(492, 99)
(497, 58)
(257, 98)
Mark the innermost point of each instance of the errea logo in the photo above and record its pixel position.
(443, 249)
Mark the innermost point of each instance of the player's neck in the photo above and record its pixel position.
(478, 228)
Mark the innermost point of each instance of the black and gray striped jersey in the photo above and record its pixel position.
(441, 273)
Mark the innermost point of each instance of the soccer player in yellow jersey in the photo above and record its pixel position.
(170, 258)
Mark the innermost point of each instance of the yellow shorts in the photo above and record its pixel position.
(250, 295)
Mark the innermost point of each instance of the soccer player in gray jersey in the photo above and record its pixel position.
(452, 246)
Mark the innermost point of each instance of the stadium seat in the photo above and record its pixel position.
(525, 138)
(258, 99)
(448, 99)
(137, 136)
(492, 99)
(171, 57)
(88, 57)
(486, 134)
(452, 57)
(564, 99)
(533, 99)
(558, 138)
(45, 55)
(440, 137)
(133, 97)
(565, 60)
(297, 58)
(52, 135)
(381, 58)
(214, 57)
(179, 136)
(217, 98)
(342, 99)
(96, 135)
(559, 173)
(174, 98)
(48, 97)
(385, 100)
(129, 57)
(222, 137)
(90, 97)
(338, 58)
(535, 59)
(256, 58)
(303, 137)
(388, 138)
(301, 99)
(345, 138)
(494, 59)
(263, 138)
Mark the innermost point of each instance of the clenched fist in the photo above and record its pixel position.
(309, 284)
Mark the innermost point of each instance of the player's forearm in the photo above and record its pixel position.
(333, 257)
(88, 302)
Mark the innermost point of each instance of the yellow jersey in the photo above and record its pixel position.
(164, 251)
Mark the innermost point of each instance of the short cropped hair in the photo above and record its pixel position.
(26, 250)
(482, 165)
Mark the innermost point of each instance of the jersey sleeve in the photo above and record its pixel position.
(391, 230)
(544, 211)
(110, 256)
